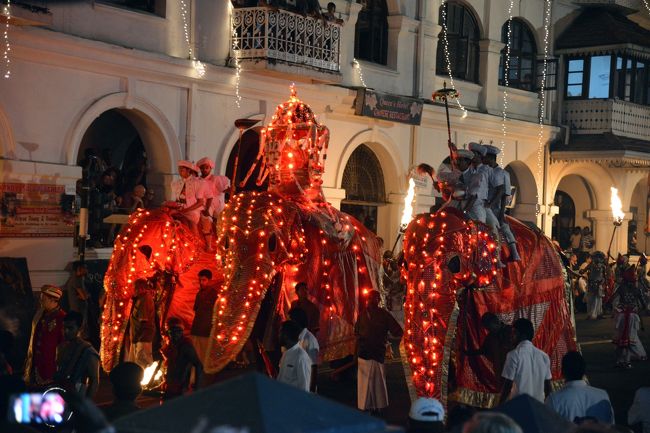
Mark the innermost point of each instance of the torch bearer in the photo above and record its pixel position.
(407, 214)
(618, 214)
(444, 94)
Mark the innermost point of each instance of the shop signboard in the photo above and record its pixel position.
(34, 210)
(389, 107)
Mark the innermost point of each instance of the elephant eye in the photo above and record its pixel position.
(273, 242)
(453, 264)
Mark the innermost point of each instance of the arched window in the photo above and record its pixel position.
(363, 181)
(371, 32)
(462, 40)
(523, 55)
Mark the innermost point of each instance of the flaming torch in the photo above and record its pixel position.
(152, 375)
(617, 213)
(407, 215)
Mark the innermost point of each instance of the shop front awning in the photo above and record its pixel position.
(607, 148)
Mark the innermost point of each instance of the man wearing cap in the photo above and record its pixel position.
(47, 334)
(189, 194)
(499, 193)
(426, 416)
(215, 200)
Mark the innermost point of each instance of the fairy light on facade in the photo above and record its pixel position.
(198, 66)
(542, 104)
(7, 49)
(235, 56)
(506, 82)
(445, 44)
(357, 67)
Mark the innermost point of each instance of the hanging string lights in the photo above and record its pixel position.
(445, 44)
(5, 38)
(357, 67)
(198, 66)
(542, 103)
(235, 51)
(506, 81)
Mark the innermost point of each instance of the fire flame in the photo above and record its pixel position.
(148, 374)
(617, 207)
(407, 215)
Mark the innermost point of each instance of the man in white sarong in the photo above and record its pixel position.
(372, 330)
(189, 194)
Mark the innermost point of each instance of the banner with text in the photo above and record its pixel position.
(394, 108)
(33, 210)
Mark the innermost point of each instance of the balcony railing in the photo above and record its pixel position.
(595, 116)
(279, 35)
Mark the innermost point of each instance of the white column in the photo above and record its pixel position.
(489, 75)
(603, 229)
(334, 196)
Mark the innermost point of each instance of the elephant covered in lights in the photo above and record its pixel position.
(452, 280)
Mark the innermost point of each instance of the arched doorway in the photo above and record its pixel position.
(574, 198)
(250, 145)
(363, 182)
(639, 225)
(524, 192)
(565, 220)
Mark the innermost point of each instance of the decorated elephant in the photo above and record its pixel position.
(450, 266)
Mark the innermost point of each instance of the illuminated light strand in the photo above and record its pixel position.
(506, 82)
(646, 5)
(235, 50)
(357, 66)
(542, 104)
(7, 43)
(198, 66)
(447, 60)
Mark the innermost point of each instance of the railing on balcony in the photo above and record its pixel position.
(595, 116)
(274, 34)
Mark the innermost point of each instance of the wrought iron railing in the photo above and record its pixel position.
(595, 116)
(280, 35)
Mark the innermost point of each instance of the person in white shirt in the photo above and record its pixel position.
(307, 341)
(576, 399)
(295, 365)
(215, 199)
(499, 192)
(189, 194)
(640, 410)
(527, 369)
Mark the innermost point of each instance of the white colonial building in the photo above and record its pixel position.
(119, 74)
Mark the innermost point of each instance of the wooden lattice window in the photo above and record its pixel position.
(363, 179)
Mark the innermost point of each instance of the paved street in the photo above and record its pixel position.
(595, 340)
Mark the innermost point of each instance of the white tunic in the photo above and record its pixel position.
(216, 186)
(479, 181)
(640, 410)
(527, 367)
(193, 192)
(295, 368)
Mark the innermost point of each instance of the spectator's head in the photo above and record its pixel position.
(491, 422)
(459, 415)
(126, 378)
(289, 333)
(523, 329)
(204, 278)
(299, 316)
(373, 299)
(139, 191)
(490, 321)
(586, 231)
(50, 297)
(79, 268)
(573, 259)
(175, 329)
(573, 366)
(149, 194)
(426, 416)
(331, 7)
(577, 230)
(302, 292)
(425, 170)
(72, 324)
